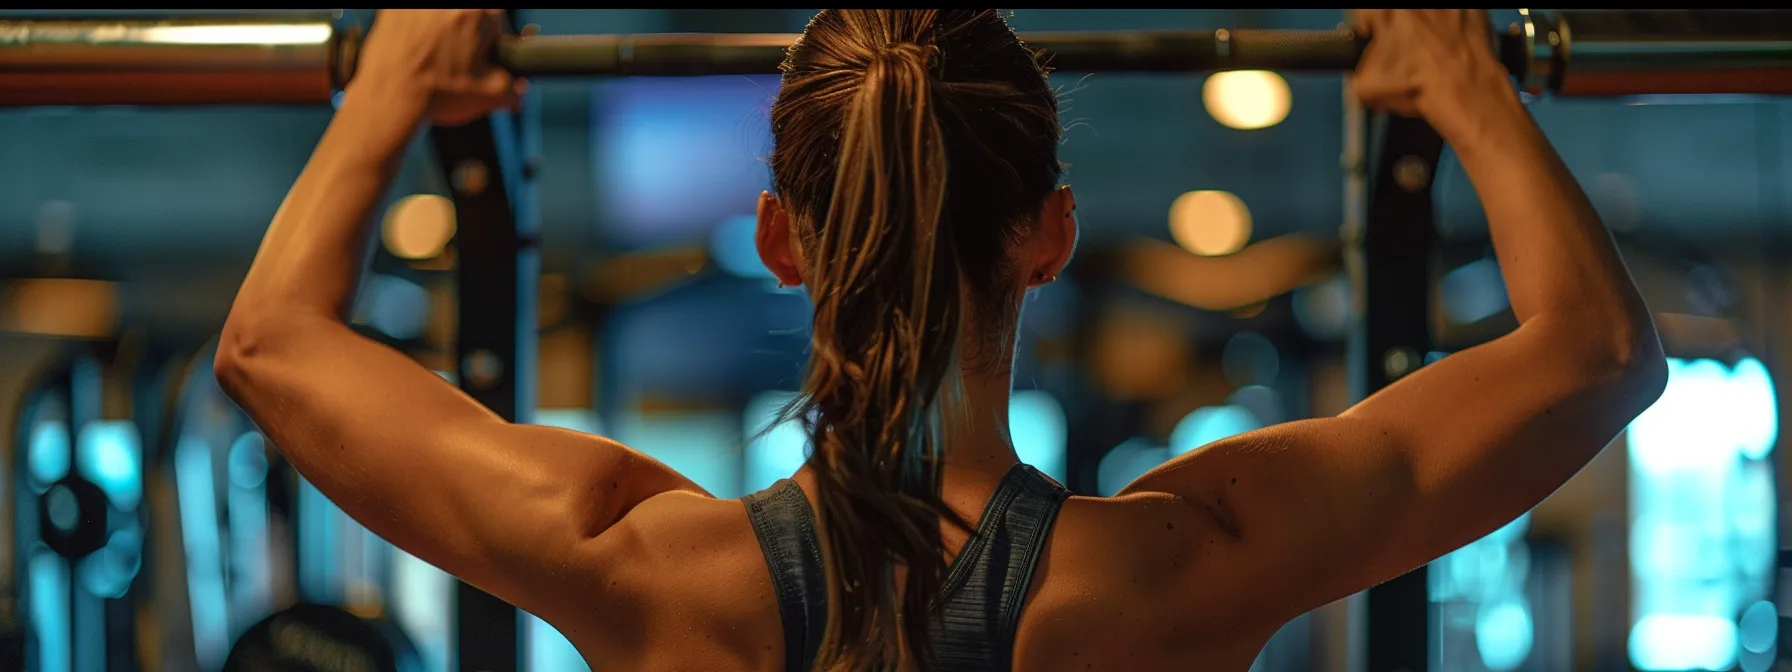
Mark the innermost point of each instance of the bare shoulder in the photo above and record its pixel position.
(680, 579)
(1149, 540)
(1132, 581)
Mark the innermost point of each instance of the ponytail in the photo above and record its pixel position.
(886, 284)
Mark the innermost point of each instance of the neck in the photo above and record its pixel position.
(976, 431)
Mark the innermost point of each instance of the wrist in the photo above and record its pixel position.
(383, 116)
(385, 95)
(1479, 111)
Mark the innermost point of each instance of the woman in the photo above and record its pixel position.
(917, 199)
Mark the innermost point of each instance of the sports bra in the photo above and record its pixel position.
(980, 601)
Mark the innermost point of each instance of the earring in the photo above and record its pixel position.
(1041, 277)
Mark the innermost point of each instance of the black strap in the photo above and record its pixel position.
(785, 525)
(980, 603)
(979, 609)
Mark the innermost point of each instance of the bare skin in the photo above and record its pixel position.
(1194, 565)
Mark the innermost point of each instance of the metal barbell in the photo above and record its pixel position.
(285, 60)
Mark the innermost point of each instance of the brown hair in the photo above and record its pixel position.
(912, 148)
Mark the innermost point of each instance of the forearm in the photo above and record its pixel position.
(313, 253)
(1555, 253)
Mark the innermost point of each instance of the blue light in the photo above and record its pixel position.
(1323, 310)
(396, 307)
(1703, 523)
(773, 454)
(1474, 291)
(1037, 426)
(1683, 642)
(48, 455)
(1250, 359)
(248, 461)
(1126, 463)
(49, 605)
(701, 445)
(548, 650)
(1759, 627)
(1261, 402)
(246, 505)
(1209, 424)
(422, 603)
(109, 571)
(319, 523)
(196, 494)
(677, 155)
(108, 454)
(1503, 634)
(734, 247)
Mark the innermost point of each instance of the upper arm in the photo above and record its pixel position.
(506, 507)
(1311, 511)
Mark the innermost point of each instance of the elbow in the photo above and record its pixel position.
(1639, 363)
(239, 346)
(230, 361)
(1625, 364)
(1645, 374)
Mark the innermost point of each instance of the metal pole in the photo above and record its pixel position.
(489, 167)
(173, 62)
(285, 60)
(1392, 334)
(1617, 53)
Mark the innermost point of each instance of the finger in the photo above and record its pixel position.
(500, 84)
(1399, 20)
(1477, 20)
(499, 20)
(493, 28)
(1376, 88)
(1374, 91)
(492, 25)
(1366, 21)
(1374, 57)
(1394, 101)
(1478, 26)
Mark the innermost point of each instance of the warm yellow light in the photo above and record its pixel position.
(60, 307)
(273, 34)
(419, 226)
(1210, 223)
(1247, 99)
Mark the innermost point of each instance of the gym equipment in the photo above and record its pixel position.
(318, 638)
(78, 508)
(300, 61)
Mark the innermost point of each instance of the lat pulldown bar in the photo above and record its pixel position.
(305, 61)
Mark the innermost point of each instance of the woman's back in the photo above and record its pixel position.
(693, 584)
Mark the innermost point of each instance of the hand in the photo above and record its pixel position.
(444, 55)
(1434, 63)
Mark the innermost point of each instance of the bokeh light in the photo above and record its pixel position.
(1702, 528)
(418, 226)
(1210, 223)
(1247, 99)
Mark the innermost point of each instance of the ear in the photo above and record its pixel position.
(777, 249)
(1055, 239)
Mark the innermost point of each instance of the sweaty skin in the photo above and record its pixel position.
(1193, 566)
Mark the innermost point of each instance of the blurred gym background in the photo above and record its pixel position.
(151, 527)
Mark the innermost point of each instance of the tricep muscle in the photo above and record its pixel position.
(1311, 511)
(504, 506)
